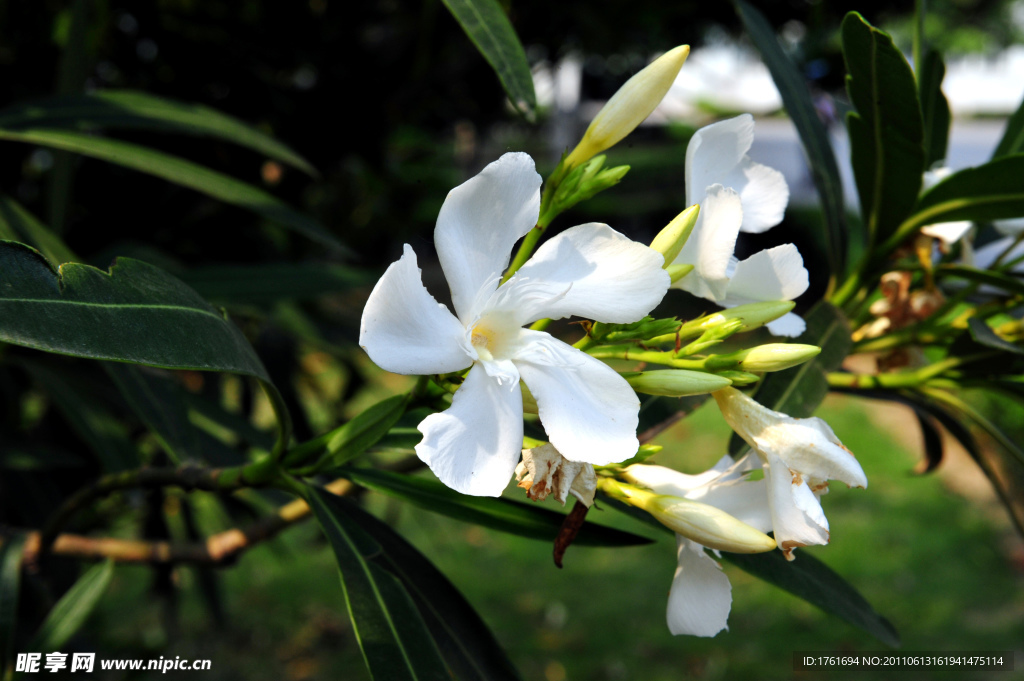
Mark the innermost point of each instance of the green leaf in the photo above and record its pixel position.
(88, 417)
(798, 391)
(274, 281)
(10, 588)
(796, 97)
(134, 313)
(1013, 137)
(811, 580)
(129, 109)
(159, 403)
(485, 23)
(983, 334)
(886, 135)
(395, 641)
(934, 108)
(465, 641)
(17, 224)
(806, 578)
(498, 513)
(353, 438)
(179, 171)
(988, 277)
(986, 192)
(74, 607)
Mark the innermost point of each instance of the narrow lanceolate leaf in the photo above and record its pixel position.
(886, 135)
(179, 171)
(266, 282)
(10, 588)
(934, 108)
(1013, 137)
(159, 403)
(1005, 282)
(485, 23)
(987, 192)
(74, 607)
(983, 334)
(504, 515)
(17, 224)
(395, 641)
(129, 109)
(798, 391)
(466, 643)
(353, 438)
(796, 97)
(133, 313)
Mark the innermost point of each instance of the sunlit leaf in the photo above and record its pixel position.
(485, 23)
(130, 109)
(179, 171)
(983, 334)
(395, 641)
(886, 136)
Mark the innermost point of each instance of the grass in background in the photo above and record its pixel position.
(926, 558)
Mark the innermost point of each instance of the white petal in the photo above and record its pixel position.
(789, 324)
(405, 330)
(713, 152)
(701, 596)
(589, 271)
(1010, 227)
(763, 191)
(812, 448)
(947, 232)
(711, 244)
(480, 221)
(745, 500)
(668, 481)
(474, 445)
(773, 274)
(589, 412)
(797, 517)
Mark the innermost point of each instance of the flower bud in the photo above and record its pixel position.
(777, 356)
(670, 241)
(629, 106)
(753, 315)
(677, 272)
(704, 524)
(675, 382)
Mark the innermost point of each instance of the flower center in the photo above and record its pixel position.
(493, 339)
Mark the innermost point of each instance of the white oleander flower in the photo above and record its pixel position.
(588, 411)
(736, 194)
(701, 595)
(799, 457)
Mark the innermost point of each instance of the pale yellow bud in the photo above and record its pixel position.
(677, 272)
(753, 315)
(629, 106)
(675, 382)
(672, 239)
(704, 524)
(777, 356)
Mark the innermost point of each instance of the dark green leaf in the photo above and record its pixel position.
(88, 417)
(74, 607)
(395, 641)
(986, 192)
(1002, 281)
(129, 109)
(462, 636)
(932, 442)
(179, 171)
(983, 334)
(10, 588)
(886, 136)
(485, 23)
(159, 403)
(796, 97)
(17, 224)
(275, 281)
(934, 108)
(798, 391)
(362, 432)
(500, 514)
(1013, 137)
